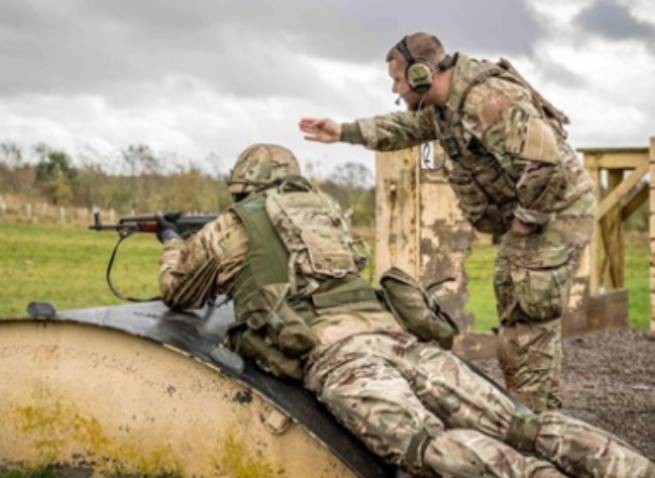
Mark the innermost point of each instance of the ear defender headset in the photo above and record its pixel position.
(419, 72)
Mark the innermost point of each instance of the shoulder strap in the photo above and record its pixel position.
(537, 98)
(293, 183)
(484, 71)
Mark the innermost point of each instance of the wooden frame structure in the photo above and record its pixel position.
(619, 195)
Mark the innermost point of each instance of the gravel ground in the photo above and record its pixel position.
(609, 381)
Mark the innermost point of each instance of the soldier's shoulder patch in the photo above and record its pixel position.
(488, 105)
(493, 108)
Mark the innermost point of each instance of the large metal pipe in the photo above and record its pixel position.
(103, 400)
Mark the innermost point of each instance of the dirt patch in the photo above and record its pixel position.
(609, 381)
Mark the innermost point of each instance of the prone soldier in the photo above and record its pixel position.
(285, 255)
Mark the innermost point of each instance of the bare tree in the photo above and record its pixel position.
(140, 159)
(11, 154)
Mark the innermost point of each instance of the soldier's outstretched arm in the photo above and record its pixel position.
(381, 133)
(191, 270)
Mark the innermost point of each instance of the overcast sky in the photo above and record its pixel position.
(212, 76)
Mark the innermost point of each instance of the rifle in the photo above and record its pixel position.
(187, 224)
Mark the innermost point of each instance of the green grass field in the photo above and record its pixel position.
(66, 266)
(41, 473)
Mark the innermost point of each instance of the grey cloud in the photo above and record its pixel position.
(560, 73)
(343, 29)
(248, 48)
(614, 21)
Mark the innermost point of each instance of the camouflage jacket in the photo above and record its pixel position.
(195, 269)
(507, 149)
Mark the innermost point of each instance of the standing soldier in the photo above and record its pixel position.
(513, 174)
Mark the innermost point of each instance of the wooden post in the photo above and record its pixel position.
(614, 233)
(397, 203)
(652, 232)
(596, 250)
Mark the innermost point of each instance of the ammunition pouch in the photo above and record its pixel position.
(252, 345)
(272, 333)
(415, 310)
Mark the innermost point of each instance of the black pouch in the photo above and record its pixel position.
(252, 345)
(416, 311)
(270, 314)
(271, 333)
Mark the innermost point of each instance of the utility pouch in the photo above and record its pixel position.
(416, 311)
(270, 315)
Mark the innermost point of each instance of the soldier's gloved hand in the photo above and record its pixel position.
(166, 230)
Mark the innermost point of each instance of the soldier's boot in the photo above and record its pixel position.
(468, 453)
(530, 356)
(577, 448)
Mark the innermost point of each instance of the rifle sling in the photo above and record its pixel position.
(110, 265)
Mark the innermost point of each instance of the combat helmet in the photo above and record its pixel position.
(260, 165)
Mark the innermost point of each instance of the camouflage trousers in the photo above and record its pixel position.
(532, 282)
(421, 407)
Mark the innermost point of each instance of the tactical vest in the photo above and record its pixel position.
(486, 191)
(297, 237)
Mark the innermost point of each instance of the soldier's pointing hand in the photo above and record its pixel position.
(324, 130)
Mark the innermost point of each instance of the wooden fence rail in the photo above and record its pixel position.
(20, 209)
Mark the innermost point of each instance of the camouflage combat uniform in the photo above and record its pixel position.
(508, 158)
(413, 403)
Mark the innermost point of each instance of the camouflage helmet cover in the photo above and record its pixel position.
(259, 165)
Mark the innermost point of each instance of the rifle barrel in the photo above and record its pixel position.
(186, 223)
